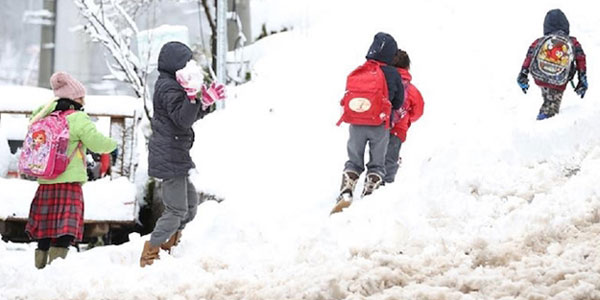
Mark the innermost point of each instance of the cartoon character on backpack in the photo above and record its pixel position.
(553, 61)
(39, 139)
(372, 91)
(40, 148)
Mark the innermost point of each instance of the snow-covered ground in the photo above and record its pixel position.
(488, 204)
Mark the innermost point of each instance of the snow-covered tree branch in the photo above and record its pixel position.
(110, 23)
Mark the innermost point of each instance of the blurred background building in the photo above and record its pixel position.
(38, 37)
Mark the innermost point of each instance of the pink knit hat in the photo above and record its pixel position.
(65, 86)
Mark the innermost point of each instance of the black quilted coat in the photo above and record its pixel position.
(172, 134)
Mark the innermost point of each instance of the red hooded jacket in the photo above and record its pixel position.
(411, 110)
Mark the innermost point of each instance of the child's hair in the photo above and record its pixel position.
(401, 60)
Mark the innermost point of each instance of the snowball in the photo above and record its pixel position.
(190, 76)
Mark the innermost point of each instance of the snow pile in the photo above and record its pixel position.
(489, 203)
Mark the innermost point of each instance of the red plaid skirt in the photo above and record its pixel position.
(56, 210)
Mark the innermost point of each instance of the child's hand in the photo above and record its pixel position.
(216, 92)
(582, 86)
(523, 81)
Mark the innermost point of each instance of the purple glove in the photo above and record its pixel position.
(216, 92)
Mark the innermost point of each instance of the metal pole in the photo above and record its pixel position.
(221, 44)
(47, 46)
(240, 10)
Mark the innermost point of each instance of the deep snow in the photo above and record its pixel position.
(488, 204)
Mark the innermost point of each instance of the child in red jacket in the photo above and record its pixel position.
(410, 112)
(553, 60)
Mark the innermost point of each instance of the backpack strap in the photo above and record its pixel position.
(41, 113)
(80, 149)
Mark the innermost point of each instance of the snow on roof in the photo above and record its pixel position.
(105, 199)
(27, 98)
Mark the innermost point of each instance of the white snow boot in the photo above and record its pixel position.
(344, 200)
(349, 179)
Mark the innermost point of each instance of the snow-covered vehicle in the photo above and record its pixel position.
(111, 209)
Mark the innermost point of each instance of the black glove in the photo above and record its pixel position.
(523, 81)
(582, 86)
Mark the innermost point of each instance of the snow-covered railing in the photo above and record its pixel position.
(24, 99)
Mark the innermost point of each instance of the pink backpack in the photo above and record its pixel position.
(44, 151)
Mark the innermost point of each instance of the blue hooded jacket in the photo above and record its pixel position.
(556, 21)
(383, 49)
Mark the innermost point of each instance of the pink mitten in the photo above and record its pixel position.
(216, 92)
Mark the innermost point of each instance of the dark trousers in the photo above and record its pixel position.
(181, 204)
(63, 241)
(551, 105)
(391, 158)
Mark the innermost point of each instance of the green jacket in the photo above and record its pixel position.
(81, 128)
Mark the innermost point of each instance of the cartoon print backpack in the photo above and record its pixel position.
(553, 60)
(44, 151)
(366, 99)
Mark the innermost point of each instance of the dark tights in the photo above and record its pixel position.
(62, 241)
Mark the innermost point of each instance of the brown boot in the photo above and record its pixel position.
(173, 241)
(41, 258)
(149, 254)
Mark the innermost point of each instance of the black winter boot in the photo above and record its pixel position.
(372, 182)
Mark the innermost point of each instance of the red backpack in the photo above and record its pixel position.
(366, 99)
